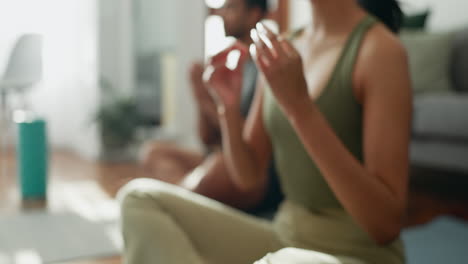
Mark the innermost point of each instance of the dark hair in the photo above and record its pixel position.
(262, 4)
(388, 11)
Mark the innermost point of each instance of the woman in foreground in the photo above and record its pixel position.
(334, 109)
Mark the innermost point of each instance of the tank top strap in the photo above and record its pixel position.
(352, 47)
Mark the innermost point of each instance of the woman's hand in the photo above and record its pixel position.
(281, 65)
(223, 77)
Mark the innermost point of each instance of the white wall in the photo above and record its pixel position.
(179, 26)
(116, 43)
(67, 96)
(299, 13)
(154, 20)
(189, 47)
(446, 14)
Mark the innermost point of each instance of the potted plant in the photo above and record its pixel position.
(118, 119)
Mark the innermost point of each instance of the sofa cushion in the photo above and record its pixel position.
(439, 154)
(460, 61)
(430, 57)
(441, 117)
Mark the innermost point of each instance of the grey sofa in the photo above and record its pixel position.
(439, 146)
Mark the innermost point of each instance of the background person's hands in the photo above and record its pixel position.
(197, 85)
(205, 102)
(224, 74)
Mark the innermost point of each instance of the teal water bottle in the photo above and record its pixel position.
(32, 156)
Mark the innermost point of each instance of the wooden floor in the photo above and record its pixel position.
(67, 169)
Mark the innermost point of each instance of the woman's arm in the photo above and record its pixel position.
(373, 192)
(246, 146)
(247, 149)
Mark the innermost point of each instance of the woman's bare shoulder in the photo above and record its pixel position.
(380, 43)
(382, 56)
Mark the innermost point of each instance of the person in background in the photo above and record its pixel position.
(206, 173)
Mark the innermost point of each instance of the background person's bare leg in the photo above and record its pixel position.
(211, 179)
(168, 162)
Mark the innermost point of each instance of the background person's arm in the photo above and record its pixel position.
(207, 118)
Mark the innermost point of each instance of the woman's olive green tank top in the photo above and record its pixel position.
(327, 227)
(301, 180)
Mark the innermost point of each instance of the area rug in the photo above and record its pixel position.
(43, 237)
